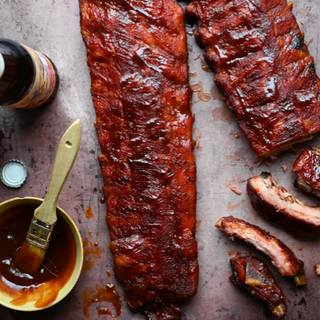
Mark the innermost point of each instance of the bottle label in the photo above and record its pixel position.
(43, 85)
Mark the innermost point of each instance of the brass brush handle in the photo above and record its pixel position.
(65, 156)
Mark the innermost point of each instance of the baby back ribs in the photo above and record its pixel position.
(264, 68)
(281, 256)
(279, 206)
(307, 168)
(252, 274)
(137, 54)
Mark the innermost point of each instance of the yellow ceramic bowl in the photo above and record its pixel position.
(64, 291)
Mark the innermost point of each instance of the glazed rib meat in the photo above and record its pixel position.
(137, 54)
(307, 168)
(281, 256)
(280, 207)
(264, 68)
(317, 269)
(252, 274)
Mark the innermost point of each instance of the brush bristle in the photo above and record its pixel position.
(29, 258)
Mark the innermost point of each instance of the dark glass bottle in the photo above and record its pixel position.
(27, 78)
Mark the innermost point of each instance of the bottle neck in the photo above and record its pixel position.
(1, 65)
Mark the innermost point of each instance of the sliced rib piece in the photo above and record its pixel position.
(137, 54)
(317, 269)
(280, 207)
(307, 167)
(264, 68)
(281, 256)
(252, 274)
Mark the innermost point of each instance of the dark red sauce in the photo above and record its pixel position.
(57, 266)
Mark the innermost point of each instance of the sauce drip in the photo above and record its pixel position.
(198, 87)
(223, 114)
(235, 134)
(107, 293)
(89, 213)
(232, 207)
(57, 267)
(91, 253)
(204, 67)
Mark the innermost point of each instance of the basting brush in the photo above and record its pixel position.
(30, 256)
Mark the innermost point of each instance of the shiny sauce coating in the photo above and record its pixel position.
(138, 59)
(308, 166)
(263, 67)
(57, 267)
(253, 274)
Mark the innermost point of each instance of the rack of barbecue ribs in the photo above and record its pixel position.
(253, 274)
(137, 55)
(264, 69)
(307, 168)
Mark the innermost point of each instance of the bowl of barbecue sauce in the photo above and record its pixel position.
(61, 266)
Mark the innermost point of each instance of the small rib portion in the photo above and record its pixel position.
(279, 206)
(252, 274)
(307, 168)
(281, 256)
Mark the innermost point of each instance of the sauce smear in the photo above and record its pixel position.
(89, 213)
(107, 293)
(91, 253)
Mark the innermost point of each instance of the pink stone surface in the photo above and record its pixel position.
(223, 158)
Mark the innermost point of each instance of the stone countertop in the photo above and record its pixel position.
(223, 158)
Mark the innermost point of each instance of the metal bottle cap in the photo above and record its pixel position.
(13, 173)
(1, 65)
